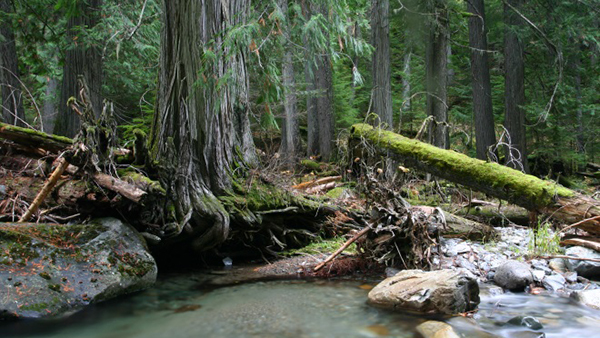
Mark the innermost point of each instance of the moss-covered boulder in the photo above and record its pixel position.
(49, 270)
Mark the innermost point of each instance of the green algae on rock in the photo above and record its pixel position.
(49, 270)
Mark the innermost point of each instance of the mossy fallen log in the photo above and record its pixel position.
(493, 179)
(34, 138)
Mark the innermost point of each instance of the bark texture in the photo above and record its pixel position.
(380, 39)
(10, 87)
(514, 86)
(491, 178)
(480, 72)
(437, 74)
(290, 142)
(201, 132)
(319, 105)
(82, 59)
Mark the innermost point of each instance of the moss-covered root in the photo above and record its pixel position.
(491, 178)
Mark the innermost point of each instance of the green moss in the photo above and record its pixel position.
(134, 176)
(38, 307)
(45, 275)
(513, 185)
(54, 287)
(312, 165)
(335, 192)
(323, 246)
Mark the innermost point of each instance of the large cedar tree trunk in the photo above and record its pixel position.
(480, 72)
(290, 142)
(201, 133)
(12, 103)
(514, 85)
(380, 38)
(82, 59)
(437, 74)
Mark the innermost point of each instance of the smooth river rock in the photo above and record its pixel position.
(513, 275)
(51, 270)
(433, 292)
(590, 298)
(435, 329)
(586, 269)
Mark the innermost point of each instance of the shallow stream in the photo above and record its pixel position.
(179, 306)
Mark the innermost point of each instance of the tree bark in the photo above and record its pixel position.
(491, 178)
(514, 87)
(381, 68)
(482, 90)
(12, 101)
(82, 59)
(437, 74)
(319, 104)
(201, 132)
(290, 142)
(324, 111)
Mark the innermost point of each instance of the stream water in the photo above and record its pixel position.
(178, 306)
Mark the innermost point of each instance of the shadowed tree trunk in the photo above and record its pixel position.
(324, 111)
(201, 133)
(12, 103)
(380, 39)
(437, 74)
(514, 85)
(82, 58)
(480, 72)
(290, 142)
(319, 104)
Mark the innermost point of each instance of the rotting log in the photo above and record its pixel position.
(491, 178)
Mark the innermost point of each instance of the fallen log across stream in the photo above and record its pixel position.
(496, 180)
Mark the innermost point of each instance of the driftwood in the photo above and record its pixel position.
(48, 186)
(342, 248)
(456, 226)
(493, 179)
(588, 242)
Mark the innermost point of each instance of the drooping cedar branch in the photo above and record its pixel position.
(491, 178)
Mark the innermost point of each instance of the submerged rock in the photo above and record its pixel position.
(513, 275)
(527, 321)
(440, 292)
(435, 329)
(586, 269)
(53, 270)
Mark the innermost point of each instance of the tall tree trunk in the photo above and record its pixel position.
(480, 72)
(514, 88)
(82, 59)
(381, 68)
(290, 142)
(580, 137)
(12, 103)
(437, 74)
(49, 110)
(201, 129)
(318, 72)
(324, 82)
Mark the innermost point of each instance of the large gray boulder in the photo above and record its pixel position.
(587, 269)
(54, 270)
(433, 292)
(513, 275)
